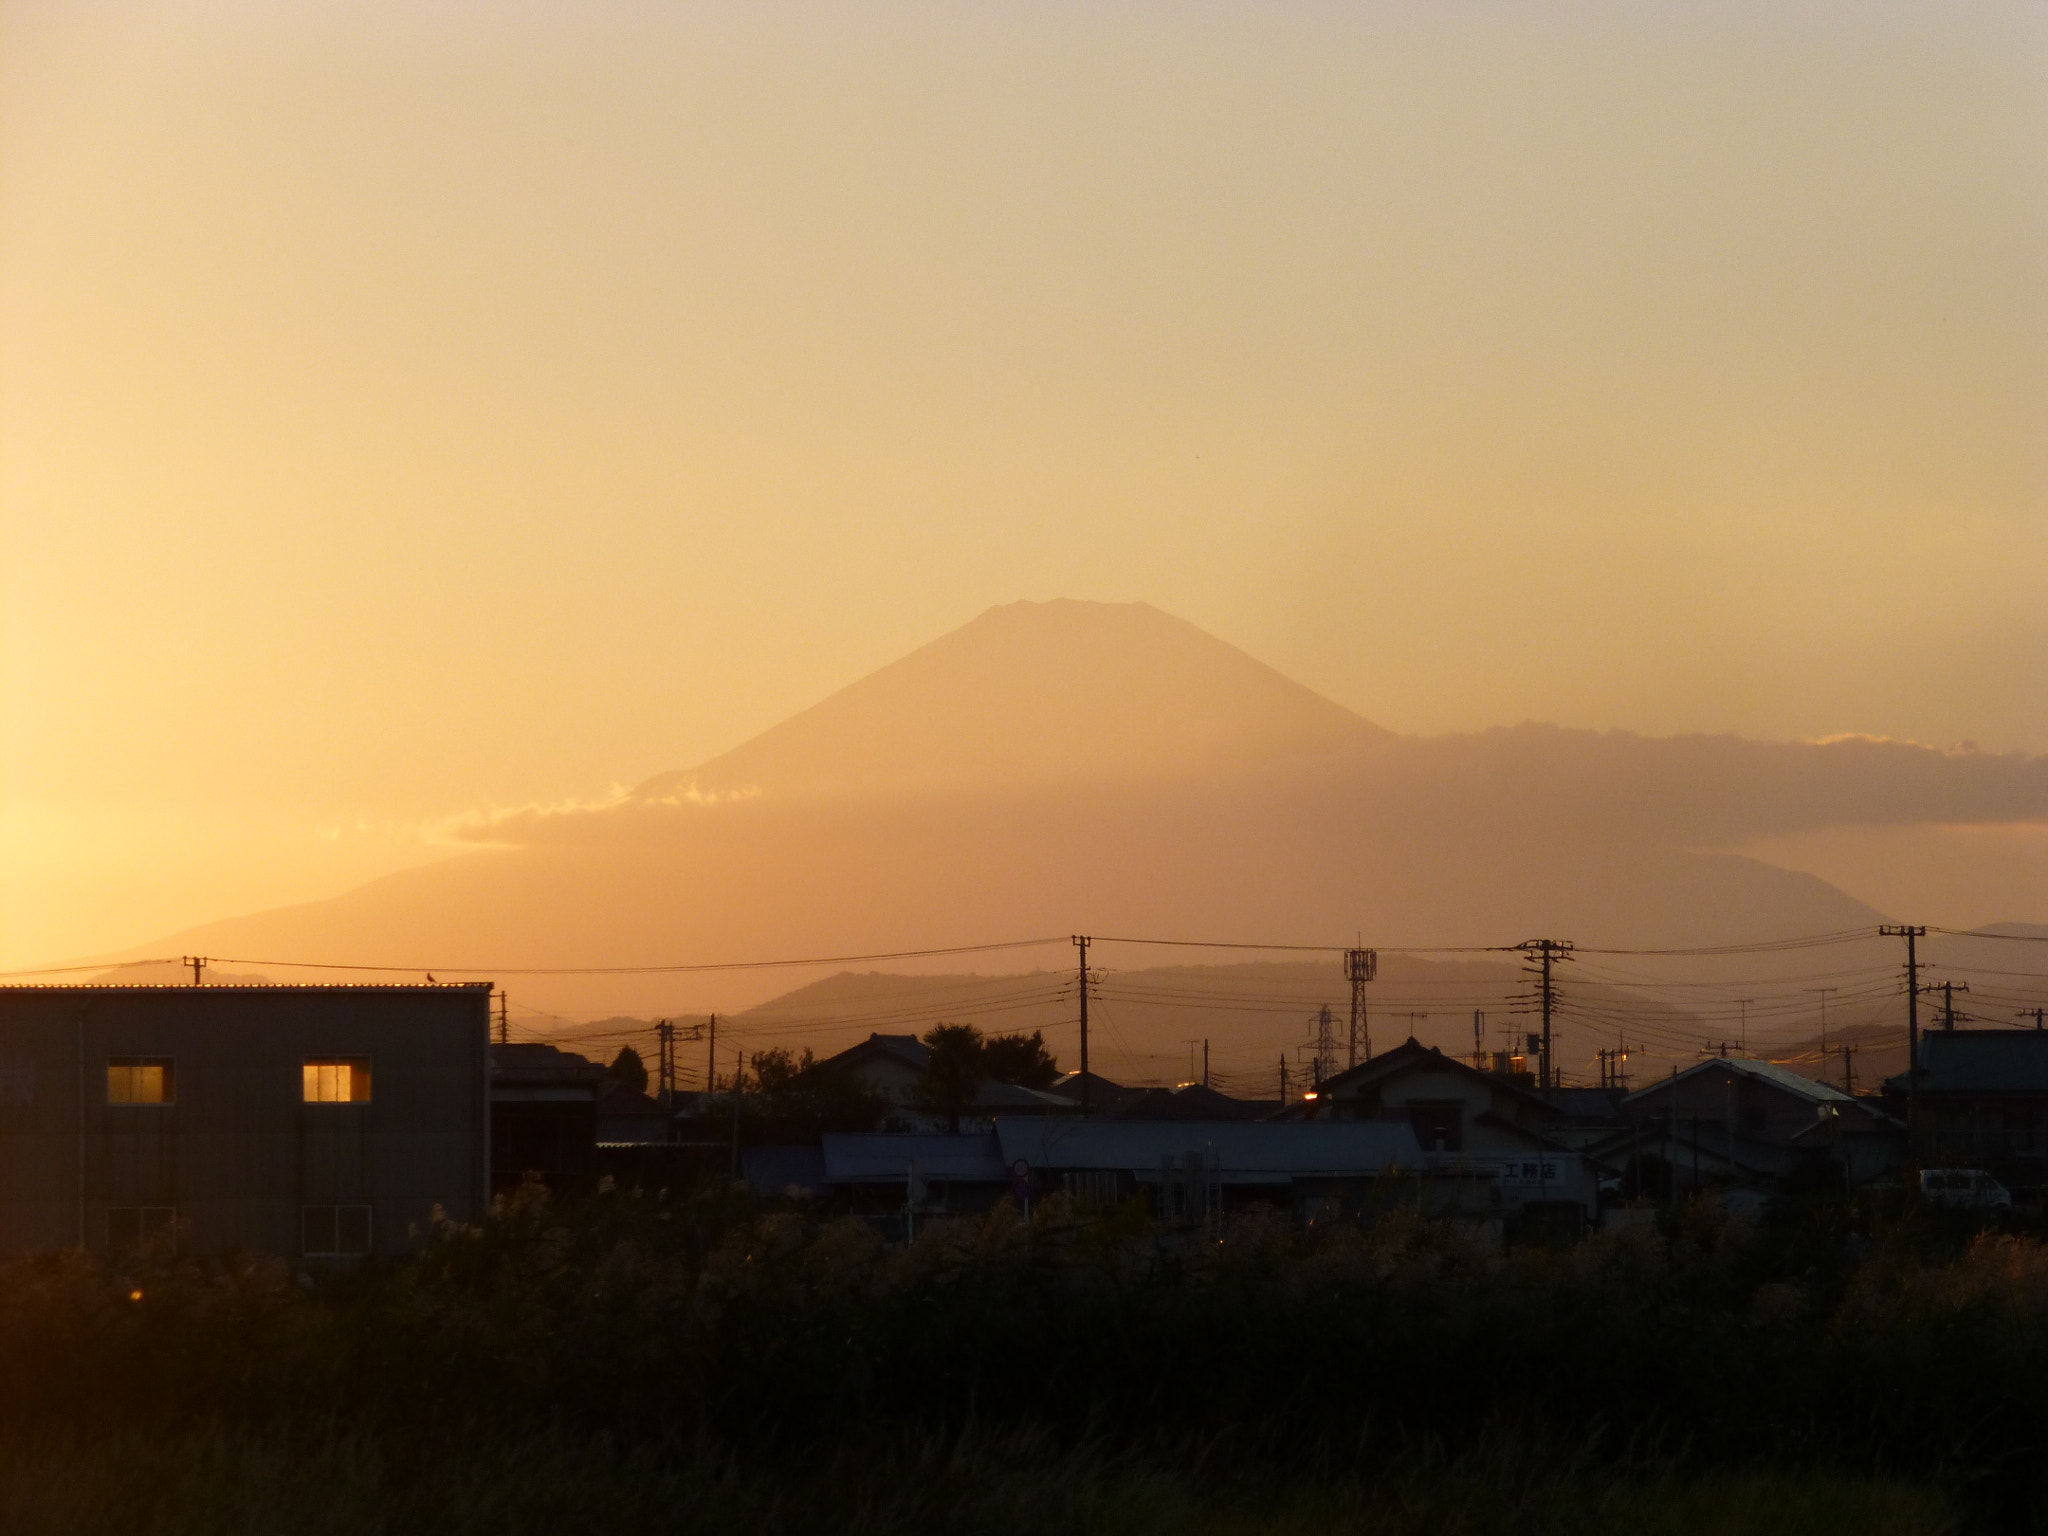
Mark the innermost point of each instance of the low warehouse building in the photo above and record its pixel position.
(322, 1122)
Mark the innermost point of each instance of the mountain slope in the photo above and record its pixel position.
(1067, 767)
(1038, 694)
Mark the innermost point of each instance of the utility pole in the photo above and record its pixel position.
(504, 1024)
(1283, 1079)
(1823, 991)
(711, 1057)
(1205, 1063)
(1742, 1027)
(1414, 1022)
(2036, 1014)
(198, 964)
(1360, 966)
(1949, 989)
(1545, 953)
(1849, 1069)
(1478, 1039)
(1912, 933)
(1087, 1104)
(739, 1086)
(665, 1038)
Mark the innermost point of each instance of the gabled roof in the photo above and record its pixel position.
(907, 1049)
(1769, 1073)
(542, 1065)
(622, 1101)
(1412, 1053)
(1190, 1101)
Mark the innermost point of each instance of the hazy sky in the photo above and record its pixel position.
(406, 408)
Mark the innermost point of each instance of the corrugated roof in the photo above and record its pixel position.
(1250, 1151)
(880, 1157)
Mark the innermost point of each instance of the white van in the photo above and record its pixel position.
(1964, 1189)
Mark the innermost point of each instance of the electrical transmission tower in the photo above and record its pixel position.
(1360, 966)
(1325, 1060)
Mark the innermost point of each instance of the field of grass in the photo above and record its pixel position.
(702, 1364)
(236, 1481)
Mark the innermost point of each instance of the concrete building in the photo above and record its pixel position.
(321, 1122)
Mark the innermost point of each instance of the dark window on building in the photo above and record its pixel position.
(141, 1080)
(336, 1080)
(1439, 1126)
(332, 1230)
(137, 1226)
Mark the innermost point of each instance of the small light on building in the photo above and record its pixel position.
(135, 1295)
(1309, 1095)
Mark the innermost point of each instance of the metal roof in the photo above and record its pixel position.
(1245, 1151)
(879, 1157)
(1982, 1061)
(1769, 1072)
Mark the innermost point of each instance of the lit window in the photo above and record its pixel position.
(141, 1080)
(338, 1080)
(138, 1226)
(332, 1230)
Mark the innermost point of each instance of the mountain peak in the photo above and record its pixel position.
(1038, 694)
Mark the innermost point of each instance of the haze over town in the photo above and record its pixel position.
(437, 455)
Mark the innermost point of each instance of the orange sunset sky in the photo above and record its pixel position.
(410, 411)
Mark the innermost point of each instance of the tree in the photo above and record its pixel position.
(801, 1096)
(1020, 1059)
(628, 1068)
(954, 1074)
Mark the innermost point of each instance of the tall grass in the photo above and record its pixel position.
(1256, 1370)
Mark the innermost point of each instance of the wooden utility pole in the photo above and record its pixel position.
(1546, 953)
(1949, 989)
(504, 1023)
(1912, 933)
(1823, 991)
(2036, 1014)
(739, 1083)
(665, 1039)
(1205, 1063)
(198, 964)
(711, 1057)
(1087, 1098)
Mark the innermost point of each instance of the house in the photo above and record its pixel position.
(543, 1117)
(885, 1173)
(323, 1122)
(1103, 1095)
(1190, 1101)
(1187, 1166)
(1983, 1102)
(1451, 1106)
(1735, 1119)
(626, 1116)
(891, 1066)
